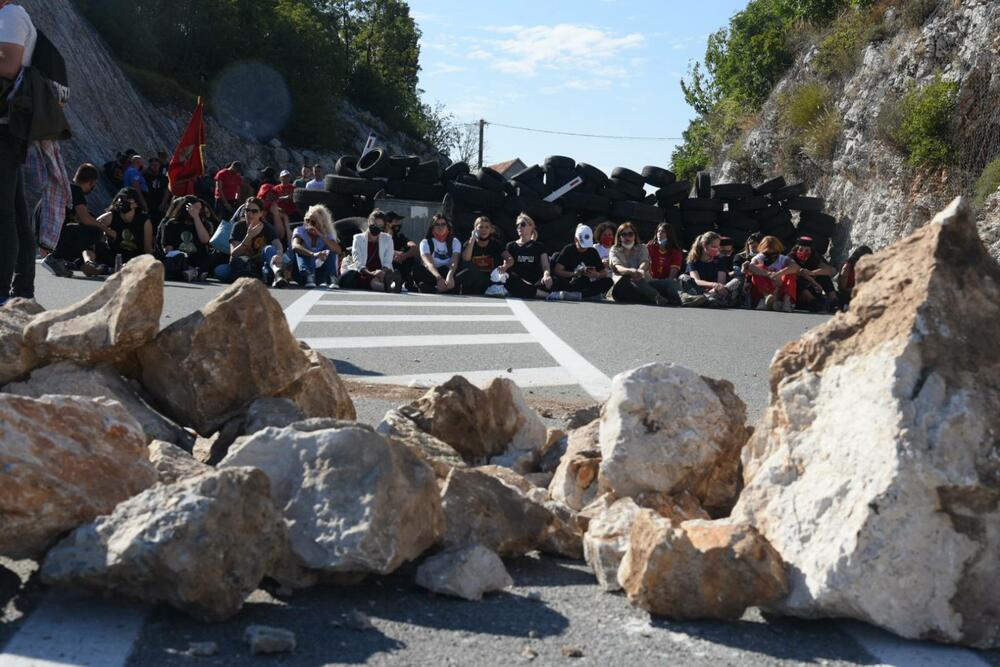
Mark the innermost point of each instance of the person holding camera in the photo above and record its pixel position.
(580, 272)
(482, 254)
(128, 230)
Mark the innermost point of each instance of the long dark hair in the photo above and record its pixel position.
(258, 203)
(439, 217)
(122, 200)
(178, 209)
(672, 243)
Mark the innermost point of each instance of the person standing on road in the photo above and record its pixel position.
(315, 248)
(580, 272)
(17, 240)
(369, 266)
(525, 263)
(482, 254)
(772, 276)
(439, 254)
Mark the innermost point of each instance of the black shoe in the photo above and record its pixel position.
(56, 267)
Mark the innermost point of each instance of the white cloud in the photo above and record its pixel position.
(582, 85)
(444, 68)
(529, 51)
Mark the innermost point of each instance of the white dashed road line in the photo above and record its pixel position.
(363, 342)
(378, 303)
(554, 376)
(408, 318)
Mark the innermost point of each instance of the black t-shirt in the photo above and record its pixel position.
(177, 235)
(78, 198)
(571, 258)
(261, 241)
(130, 237)
(400, 243)
(810, 264)
(726, 263)
(157, 190)
(527, 260)
(707, 270)
(487, 258)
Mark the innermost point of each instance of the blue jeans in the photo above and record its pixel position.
(226, 273)
(306, 266)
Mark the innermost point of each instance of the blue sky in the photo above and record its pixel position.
(591, 66)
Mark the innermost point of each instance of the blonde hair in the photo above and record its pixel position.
(700, 244)
(320, 218)
(524, 217)
(772, 243)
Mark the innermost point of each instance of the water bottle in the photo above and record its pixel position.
(118, 262)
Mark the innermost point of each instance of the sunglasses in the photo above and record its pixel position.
(253, 210)
(629, 234)
(440, 224)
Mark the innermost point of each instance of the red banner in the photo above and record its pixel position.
(188, 162)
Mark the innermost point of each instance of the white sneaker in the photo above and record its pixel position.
(190, 274)
(496, 290)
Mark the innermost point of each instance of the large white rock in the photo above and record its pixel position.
(575, 482)
(606, 539)
(353, 501)
(465, 572)
(201, 545)
(875, 472)
(666, 428)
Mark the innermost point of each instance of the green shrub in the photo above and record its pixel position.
(802, 105)
(922, 123)
(695, 153)
(841, 50)
(916, 12)
(989, 181)
(822, 135)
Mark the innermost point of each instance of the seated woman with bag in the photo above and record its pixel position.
(184, 240)
(255, 250)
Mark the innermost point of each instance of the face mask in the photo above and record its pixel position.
(607, 241)
(802, 256)
(628, 244)
(440, 233)
(375, 230)
(712, 252)
(664, 243)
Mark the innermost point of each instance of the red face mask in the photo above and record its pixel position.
(802, 256)
(712, 252)
(608, 240)
(440, 233)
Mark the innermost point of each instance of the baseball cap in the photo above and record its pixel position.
(284, 172)
(585, 235)
(392, 215)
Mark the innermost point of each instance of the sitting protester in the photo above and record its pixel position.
(814, 281)
(129, 230)
(254, 249)
(482, 254)
(274, 213)
(439, 254)
(405, 252)
(772, 275)
(727, 252)
(315, 248)
(580, 272)
(184, 240)
(629, 262)
(284, 190)
(525, 269)
(81, 232)
(317, 182)
(605, 236)
(666, 259)
(707, 274)
(369, 266)
(742, 259)
(846, 277)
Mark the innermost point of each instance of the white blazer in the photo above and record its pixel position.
(359, 252)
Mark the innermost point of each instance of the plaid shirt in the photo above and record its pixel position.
(45, 172)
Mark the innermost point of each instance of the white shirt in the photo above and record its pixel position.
(315, 185)
(440, 256)
(16, 28)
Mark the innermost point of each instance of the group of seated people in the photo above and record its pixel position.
(610, 262)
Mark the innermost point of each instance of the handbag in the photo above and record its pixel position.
(220, 238)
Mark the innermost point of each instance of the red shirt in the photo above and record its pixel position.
(228, 184)
(286, 205)
(661, 261)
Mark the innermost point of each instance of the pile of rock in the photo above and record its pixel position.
(870, 489)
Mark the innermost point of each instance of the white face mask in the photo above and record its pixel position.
(628, 245)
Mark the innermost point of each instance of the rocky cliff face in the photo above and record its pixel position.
(867, 183)
(108, 114)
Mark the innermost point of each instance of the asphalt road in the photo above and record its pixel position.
(565, 354)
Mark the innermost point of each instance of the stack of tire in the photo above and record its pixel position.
(351, 189)
(738, 209)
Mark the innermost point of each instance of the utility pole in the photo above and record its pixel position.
(482, 128)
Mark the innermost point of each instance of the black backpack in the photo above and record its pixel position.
(36, 111)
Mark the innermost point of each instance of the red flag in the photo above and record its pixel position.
(188, 162)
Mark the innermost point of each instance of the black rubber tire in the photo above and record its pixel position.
(645, 230)
(771, 186)
(613, 193)
(657, 177)
(736, 220)
(702, 205)
(532, 173)
(823, 224)
(674, 193)
(453, 171)
(491, 180)
(806, 203)
(535, 189)
(585, 202)
(625, 174)
(559, 162)
(703, 185)
(767, 213)
(475, 197)
(555, 178)
(303, 198)
(346, 185)
(415, 191)
(693, 218)
(346, 166)
(405, 161)
(637, 212)
(539, 209)
(732, 190)
(780, 227)
(426, 172)
(468, 179)
(698, 229)
(592, 175)
(821, 244)
(674, 217)
(739, 236)
(373, 164)
(789, 191)
(631, 190)
(346, 228)
(749, 204)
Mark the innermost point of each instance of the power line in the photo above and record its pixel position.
(581, 134)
